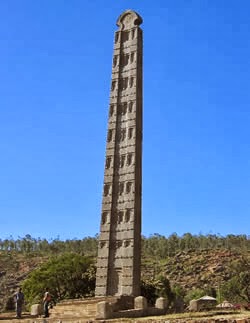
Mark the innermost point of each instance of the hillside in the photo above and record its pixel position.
(194, 269)
(14, 268)
(188, 269)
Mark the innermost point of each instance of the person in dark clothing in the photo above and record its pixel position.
(19, 300)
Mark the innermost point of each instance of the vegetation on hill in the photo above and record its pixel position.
(67, 276)
(155, 245)
(41, 247)
(177, 267)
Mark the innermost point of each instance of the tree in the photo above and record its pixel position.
(66, 276)
(149, 290)
(154, 288)
(237, 289)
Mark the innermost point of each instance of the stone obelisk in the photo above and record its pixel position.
(119, 248)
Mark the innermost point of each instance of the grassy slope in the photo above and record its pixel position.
(193, 269)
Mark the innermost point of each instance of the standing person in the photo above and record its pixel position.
(19, 300)
(46, 300)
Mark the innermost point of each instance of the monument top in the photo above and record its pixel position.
(128, 19)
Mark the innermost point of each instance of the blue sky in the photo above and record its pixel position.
(55, 71)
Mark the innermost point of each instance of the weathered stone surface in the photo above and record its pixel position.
(36, 309)
(161, 303)
(119, 249)
(140, 303)
(104, 310)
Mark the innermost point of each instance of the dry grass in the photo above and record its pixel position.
(185, 317)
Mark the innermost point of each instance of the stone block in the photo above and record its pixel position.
(127, 290)
(104, 310)
(161, 303)
(140, 302)
(100, 291)
(36, 310)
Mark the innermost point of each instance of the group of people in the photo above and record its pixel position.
(19, 301)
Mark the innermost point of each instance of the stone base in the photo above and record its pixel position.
(88, 308)
(107, 308)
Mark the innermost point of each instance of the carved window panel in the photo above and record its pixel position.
(122, 135)
(130, 106)
(122, 161)
(128, 187)
(106, 189)
(111, 110)
(124, 83)
(110, 134)
(127, 215)
(116, 38)
(124, 60)
(121, 188)
(130, 133)
(113, 85)
(129, 159)
(131, 81)
(125, 36)
(120, 217)
(124, 108)
(132, 57)
(133, 34)
(105, 217)
(115, 60)
(108, 162)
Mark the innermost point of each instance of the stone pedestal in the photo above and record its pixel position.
(140, 303)
(104, 310)
(161, 303)
(36, 310)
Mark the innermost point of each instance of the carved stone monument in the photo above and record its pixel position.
(119, 249)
